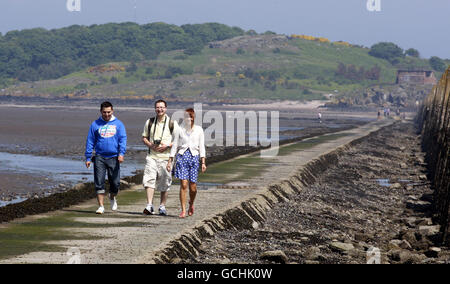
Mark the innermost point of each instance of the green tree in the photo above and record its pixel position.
(201, 33)
(307, 91)
(13, 59)
(172, 71)
(386, 50)
(178, 84)
(272, 75)
(136, 56)
(240, 51)
(437, 64)
(28, 74)
(412, 52)
(195, 47)
(251, 33)
(114, 80)
(132, 68)
(81, 86)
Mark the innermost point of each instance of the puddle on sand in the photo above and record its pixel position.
(383, 182)
(201, 185)
(18, 199)
(207, 185)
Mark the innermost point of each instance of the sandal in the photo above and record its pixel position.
(182, 214)
(191, 209)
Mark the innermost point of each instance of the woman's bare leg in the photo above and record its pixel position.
(183, 193)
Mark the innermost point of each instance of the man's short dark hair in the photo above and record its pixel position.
(161, 101)
(105, 105)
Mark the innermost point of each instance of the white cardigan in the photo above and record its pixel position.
(194, 140)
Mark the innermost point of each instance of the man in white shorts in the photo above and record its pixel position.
(158, 136)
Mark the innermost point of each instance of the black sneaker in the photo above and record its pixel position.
(149, 212)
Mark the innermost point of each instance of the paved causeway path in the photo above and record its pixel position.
(77, 234)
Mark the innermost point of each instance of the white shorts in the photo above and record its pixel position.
(156, 175)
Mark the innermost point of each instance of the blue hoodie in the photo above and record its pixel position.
(108, 138)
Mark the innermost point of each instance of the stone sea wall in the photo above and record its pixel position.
(434, 119)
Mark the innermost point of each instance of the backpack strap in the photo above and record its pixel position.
(152, 120)
(150, 123)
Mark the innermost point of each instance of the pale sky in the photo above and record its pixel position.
(420, 24)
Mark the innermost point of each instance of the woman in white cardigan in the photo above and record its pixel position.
(189, 148)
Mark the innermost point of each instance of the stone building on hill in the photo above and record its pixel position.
(422, 77)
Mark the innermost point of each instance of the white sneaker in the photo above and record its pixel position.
(100, 210)
(162, 210)
(113, 204)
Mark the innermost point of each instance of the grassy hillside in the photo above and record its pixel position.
(241, 68)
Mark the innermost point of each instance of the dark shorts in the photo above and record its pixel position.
(103, 166)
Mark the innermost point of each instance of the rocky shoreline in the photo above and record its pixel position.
(372, 206)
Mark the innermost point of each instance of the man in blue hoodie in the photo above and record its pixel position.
(107, 135)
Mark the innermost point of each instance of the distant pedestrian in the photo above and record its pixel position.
(107, 135)
(379, 114)
(158, 136)
(189, 148)
(319, 116)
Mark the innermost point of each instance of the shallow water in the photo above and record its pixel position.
(384, 182)
(18, 199)
(207, 185)
(62, 170)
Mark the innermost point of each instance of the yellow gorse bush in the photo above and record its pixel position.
(342, 43)
(307, 37)
(320, 39)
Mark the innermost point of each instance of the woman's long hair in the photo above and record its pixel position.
(191, 113)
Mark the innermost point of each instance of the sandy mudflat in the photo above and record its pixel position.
(284, 105)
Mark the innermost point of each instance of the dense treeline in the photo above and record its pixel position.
(394, 54)
(37, 54)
